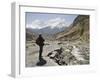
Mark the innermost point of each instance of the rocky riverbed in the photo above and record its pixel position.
(71, 54)
(58, 53)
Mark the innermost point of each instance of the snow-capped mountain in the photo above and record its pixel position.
(52, 26)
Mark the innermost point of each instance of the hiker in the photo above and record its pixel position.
(40, 43)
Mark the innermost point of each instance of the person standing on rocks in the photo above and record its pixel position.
(40, 42)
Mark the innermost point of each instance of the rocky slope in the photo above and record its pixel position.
(29, 35)
(79, 29)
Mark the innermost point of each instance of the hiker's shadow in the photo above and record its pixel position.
(41, 62)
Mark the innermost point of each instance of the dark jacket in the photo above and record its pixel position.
(40, 41)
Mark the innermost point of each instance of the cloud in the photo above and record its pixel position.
(36, 24)
(57, 22)
(29, 26)
(52, 23)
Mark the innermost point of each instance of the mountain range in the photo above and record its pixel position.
(47, 30)
(78, 30)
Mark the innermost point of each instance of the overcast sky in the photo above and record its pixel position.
(41, 20)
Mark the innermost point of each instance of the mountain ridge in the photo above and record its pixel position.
(79, 30)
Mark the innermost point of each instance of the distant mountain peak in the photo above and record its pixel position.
(52, 23)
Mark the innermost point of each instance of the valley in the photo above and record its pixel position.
(68, 46)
